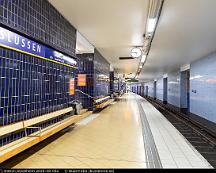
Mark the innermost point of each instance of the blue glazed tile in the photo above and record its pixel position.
(202, 87)
(151, 89)
(159, 89)
(174, 88)
(19, 91)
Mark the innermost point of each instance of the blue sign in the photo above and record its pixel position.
(14, 41)
(59, 57)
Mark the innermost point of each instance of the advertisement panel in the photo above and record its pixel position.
(81, 80)
(71, 87)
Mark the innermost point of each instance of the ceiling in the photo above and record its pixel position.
(186, 31)
(112, 26)
(83, 45)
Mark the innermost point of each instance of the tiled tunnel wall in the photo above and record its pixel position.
(101, 76)
(38, 19)
(202, 92)
(159, 89)
(44, 84)
(203, 87)
(32, 86)
(85, 64)
(174, 88)
(184, 90)
(150, 89)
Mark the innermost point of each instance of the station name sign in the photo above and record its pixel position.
(22, 44)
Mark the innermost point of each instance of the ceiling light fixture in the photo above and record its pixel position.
(155, 7)
(151, 25)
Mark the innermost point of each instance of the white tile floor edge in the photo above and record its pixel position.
(174, 149)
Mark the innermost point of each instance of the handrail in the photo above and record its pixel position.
(84, 93)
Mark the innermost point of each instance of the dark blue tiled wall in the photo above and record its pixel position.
(98, 78)
(38, 19)
(31, 86)
(111, 82)
(116, 84)
(85, 64)
(101, 76)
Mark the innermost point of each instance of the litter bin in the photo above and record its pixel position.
(77, 106)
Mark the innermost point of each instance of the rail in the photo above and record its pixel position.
(182, 116)
(204, 142)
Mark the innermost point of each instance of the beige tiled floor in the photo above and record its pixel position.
(110, 139)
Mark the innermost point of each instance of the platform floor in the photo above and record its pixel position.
(114, 137)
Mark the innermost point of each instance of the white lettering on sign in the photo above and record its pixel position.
(15, 39)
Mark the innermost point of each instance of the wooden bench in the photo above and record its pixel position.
(14, 148)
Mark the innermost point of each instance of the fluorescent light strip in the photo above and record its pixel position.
(151, 25)
(143, 59)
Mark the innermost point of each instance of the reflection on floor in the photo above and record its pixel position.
(113, 138)
(110, 139)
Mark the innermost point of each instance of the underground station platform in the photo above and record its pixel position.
(107, 85)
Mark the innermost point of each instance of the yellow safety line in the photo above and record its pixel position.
(8, 47)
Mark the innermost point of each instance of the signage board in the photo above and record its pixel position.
(22, 44)
(81, 80)
(71, 87)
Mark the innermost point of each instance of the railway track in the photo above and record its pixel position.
(203, 140)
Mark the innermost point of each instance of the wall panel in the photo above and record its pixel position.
(203, 87)
(160, 89)
(174, 88)
(38, 19)
(101, 76)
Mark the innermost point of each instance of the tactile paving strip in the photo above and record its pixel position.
(152, 156)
